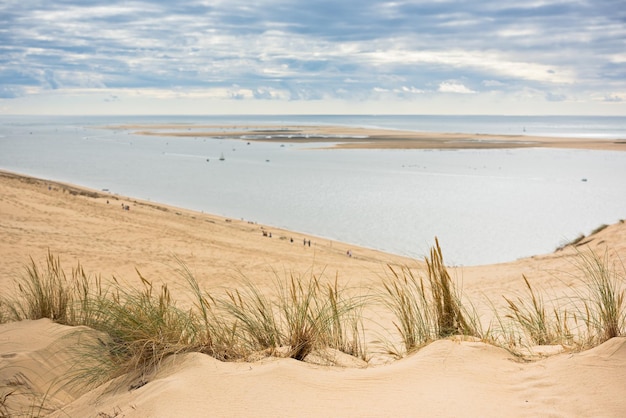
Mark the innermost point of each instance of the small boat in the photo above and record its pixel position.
(222, 157)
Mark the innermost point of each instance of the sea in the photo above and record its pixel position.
(484, 206)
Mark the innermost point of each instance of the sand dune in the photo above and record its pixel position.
(446, 378)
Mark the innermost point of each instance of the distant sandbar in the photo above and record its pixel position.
(370, 138)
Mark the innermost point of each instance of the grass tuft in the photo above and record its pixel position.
(303, 314)
(542, 327)
(604, 304)
(426, 311)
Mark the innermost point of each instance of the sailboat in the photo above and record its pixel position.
(222, 157)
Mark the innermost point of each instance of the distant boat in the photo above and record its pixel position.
(222, 157)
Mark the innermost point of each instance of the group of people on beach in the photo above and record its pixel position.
(305, 242)
(269, 235)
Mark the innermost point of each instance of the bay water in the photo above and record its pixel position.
(485, 206)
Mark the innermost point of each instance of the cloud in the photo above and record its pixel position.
(492, 83)
(555, 97)
(11, 92)
(454, 87)
(288, 50)
(412, 90)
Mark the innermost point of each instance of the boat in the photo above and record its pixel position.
(222, 157)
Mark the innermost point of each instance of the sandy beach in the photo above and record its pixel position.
(369, 138)
(449, 377)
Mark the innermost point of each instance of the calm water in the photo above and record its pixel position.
(484, 205)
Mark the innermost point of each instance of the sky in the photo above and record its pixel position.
(313, 57)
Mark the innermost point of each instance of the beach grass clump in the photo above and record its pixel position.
(538, 324)
(452, 316)
(406, 297)
(592, 313)
(214, 333)
(316, 315)
(603, 300)
(47, 292)
(144, 327)
(44, 293)
(426, 310)
(301, 315)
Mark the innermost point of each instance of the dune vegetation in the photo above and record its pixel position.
(139, 327)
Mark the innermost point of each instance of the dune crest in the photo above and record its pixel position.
(446, 378)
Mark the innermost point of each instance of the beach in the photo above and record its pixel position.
(119, 236)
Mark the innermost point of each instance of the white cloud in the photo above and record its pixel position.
(454, 87)
(411, 89)
(489, 62)
(492, 83)
(286, 50)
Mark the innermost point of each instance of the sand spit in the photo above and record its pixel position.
(448, 378)
(368, 138)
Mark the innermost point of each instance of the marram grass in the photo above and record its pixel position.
(140, 326)
(427, 309)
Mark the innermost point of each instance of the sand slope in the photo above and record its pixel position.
(447, 378)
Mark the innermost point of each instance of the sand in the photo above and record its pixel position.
(369, 138)
(447, 378)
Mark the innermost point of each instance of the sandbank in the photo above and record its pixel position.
(369, 138)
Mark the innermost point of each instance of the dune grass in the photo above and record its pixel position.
(426, 310)
(44, 293)
(142, 325)
(603, 300)
(536, 323)
(594, 313)
(139, 326)
(302, 314)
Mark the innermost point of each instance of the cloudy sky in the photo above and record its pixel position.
(313, 56)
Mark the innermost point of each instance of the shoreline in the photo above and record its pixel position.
(94, 228)
(238, 235)
(369, 138)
